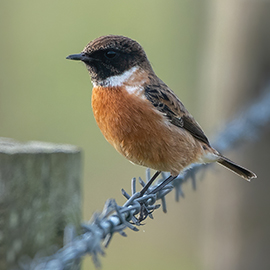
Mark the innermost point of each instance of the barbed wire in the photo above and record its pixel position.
(97, 234)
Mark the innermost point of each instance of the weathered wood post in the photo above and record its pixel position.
(236, 221)
(39, 195)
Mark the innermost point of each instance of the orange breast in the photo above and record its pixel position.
(139, 132)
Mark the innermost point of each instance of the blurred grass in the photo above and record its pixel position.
(45, 97)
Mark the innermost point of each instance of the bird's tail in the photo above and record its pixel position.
(239, 170)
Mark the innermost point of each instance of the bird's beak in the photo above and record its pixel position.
(80, 56)
(75, 56)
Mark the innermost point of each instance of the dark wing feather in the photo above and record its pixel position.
(194, 129)
(167, 102)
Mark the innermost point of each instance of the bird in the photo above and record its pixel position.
(141, 116)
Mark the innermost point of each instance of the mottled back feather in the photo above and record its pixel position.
(165, 101)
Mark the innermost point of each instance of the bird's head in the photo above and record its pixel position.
(111, 55)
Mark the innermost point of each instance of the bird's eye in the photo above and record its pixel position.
(110, 54)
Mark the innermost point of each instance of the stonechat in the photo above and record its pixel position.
(140, 115)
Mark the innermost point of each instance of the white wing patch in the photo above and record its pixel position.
(134, 89)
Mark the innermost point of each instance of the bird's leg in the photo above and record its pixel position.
(163, 184)
(149, 183)
(143, 212)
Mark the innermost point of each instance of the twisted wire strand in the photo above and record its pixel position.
(248, 125)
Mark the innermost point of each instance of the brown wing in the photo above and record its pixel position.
(168, 103)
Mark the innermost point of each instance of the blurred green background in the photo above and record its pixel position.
(206, 51)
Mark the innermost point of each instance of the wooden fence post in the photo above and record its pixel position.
(235, 216)
(39, 195)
